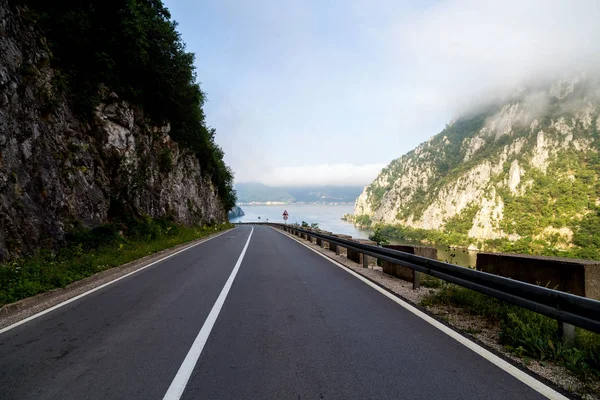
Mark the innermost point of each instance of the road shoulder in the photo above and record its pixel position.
(21, 310)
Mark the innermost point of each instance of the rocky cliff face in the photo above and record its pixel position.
(58, 172)
(528, 167)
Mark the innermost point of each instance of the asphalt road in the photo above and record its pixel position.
(293, 326)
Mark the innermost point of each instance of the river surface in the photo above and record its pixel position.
(329, 217)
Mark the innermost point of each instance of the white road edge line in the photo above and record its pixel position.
(488, 355)
(180, 381)
(72, 299)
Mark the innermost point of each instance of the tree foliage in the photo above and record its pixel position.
(378, 237)
(133, 47)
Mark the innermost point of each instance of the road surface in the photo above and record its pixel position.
(293, 326)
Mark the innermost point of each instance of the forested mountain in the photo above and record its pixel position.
(519, 176)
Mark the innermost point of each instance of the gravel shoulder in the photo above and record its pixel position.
(478, 329)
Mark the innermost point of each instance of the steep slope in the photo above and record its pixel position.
(60, 170)
(523, 171)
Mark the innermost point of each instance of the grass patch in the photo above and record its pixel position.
(429, 281)
(92, 251)
(525, 333)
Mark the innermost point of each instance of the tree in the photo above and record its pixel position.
(378, 237)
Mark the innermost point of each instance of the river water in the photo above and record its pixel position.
(329, 218)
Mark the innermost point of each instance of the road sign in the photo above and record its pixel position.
(285, 217)
(285, 213)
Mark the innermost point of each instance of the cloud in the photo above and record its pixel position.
(335, 83)
(322, 174)
(468, 52)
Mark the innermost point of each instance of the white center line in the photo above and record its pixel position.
(180, 381)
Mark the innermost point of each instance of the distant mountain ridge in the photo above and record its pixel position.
(260, 193)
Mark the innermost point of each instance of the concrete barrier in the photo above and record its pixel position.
(579, 277)
(405, 273)
(357, 256)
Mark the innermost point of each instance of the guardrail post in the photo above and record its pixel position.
(405, 273)
(337, 246)
(323, 242)
(357, 256)
(567, 333)
(333, 247)
(416, 280)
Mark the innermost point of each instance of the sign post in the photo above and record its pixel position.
(285, 216)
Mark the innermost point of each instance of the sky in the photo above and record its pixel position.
(330, 91)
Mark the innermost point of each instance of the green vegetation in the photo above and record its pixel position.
(423, 235)
(555, 210)
(362, 220)
(92, 251)
(378, 238)
(133, 48)
(462, 222)
(562, 197)
(444, 152)
(313, 225)
(525, 333)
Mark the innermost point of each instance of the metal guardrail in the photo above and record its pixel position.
(564, 307)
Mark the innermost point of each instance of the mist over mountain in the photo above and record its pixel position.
(519, 176)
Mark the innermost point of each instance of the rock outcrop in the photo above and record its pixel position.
(235, 212)
(538, 149)
(59, 172)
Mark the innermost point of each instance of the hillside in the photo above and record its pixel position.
(260, 193)
(520, 176)
(100, 118)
